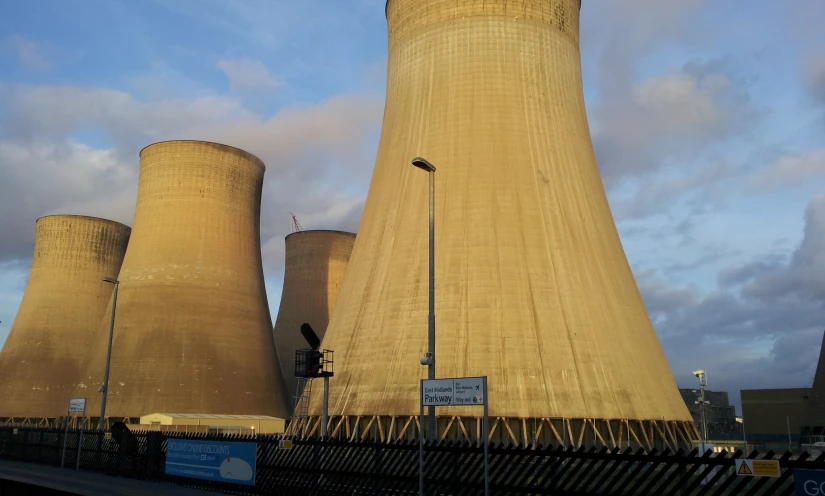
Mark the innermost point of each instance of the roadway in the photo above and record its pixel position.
(71, 482)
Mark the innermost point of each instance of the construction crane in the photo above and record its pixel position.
(296, 226)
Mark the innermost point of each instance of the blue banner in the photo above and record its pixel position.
(809, 482)
(212, 460)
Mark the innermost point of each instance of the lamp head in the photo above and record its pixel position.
(423, 164)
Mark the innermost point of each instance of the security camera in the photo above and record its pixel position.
(698, 373)
(427, 359)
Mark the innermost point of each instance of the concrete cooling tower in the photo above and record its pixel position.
(62, 306)
(315, 265)
(192, 332)
(816, 416)
(533, 288)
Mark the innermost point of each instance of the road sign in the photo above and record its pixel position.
(15, 431)
(285, 444)
(107, 435)
(458, 391)
(212, 460)
(461, 391)
(757, 468)
(468, 391)
(809, 482)
(77, 405)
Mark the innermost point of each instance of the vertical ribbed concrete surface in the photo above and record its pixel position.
(313, 273)
(817, 405)
(65, 299)
(193, 332)
(533, 288)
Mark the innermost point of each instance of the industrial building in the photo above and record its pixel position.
(64, 302)
(784, 418)
(720, 415)
(192, 332)
(533, 289)
(313, 272)
(206, 424)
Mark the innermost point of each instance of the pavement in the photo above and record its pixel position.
(88, 483)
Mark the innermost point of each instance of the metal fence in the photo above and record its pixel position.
(335, 467)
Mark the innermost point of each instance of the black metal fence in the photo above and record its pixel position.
(316, 467)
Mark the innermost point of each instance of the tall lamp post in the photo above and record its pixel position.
(429, 359)
(703, 383)
(105, 388)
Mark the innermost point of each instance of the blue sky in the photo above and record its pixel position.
(708, 119)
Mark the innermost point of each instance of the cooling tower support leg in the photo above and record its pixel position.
(325, 418)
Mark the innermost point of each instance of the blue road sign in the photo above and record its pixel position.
(809, 482)
(212, 460)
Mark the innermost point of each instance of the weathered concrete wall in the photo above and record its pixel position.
(533, 288)
(59, 316)
(316, 262)
(193, 332)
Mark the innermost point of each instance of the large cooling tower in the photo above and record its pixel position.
(533, 288)
(816, 420)
(63, 304)
(193, 332)
(313, 273)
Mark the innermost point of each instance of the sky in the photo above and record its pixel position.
(707, 116)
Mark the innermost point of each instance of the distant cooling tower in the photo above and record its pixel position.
(314, 270)
(533, 288)
(193, 332)
(64, 302)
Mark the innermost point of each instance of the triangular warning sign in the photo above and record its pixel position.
(744, 469)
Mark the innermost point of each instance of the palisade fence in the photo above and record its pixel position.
(333, 467)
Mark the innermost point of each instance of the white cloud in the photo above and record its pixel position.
(29, 53)
(671, 118)
(249, 76)
(792, 170)
(318, 156)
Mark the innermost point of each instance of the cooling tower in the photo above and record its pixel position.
(65, 299)
(816, 417)
(533, 288)
(313, 273)
(192, 331)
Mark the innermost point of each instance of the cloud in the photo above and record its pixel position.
(671, 118)
(29, 53)
(791, 170)
(319, 156)
(802, 278)
(249, 76)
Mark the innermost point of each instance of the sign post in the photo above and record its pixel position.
(76, 405)
(459, 391)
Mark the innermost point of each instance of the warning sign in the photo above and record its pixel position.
(758, 468)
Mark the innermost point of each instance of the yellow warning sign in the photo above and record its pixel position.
(758, 468)
(108, 435)
(15, 431)
(285, 444)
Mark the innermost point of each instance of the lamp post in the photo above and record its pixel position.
(703, 383)
(429, 359)
(105, 388)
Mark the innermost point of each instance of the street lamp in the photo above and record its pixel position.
(105, 388)
(429, 359)
(703, 383)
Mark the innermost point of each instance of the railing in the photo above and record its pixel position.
(336, 467)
